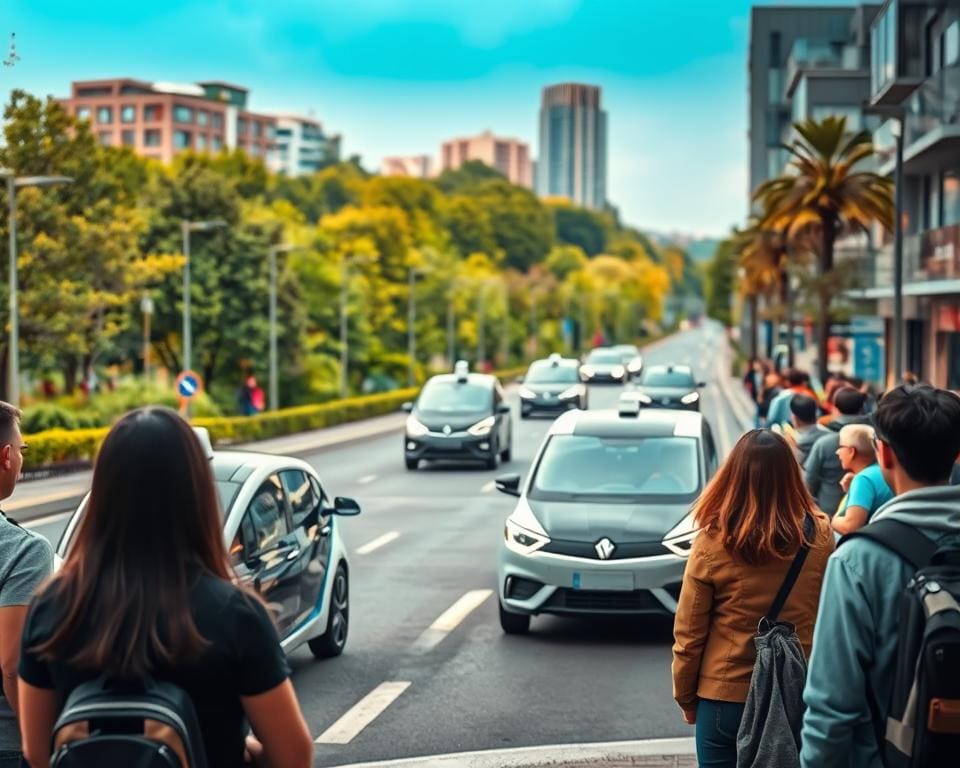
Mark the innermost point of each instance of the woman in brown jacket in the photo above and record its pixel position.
(751, 518)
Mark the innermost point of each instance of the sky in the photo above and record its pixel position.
(397, 77)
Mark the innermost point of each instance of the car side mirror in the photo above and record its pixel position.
(345, 507)
(508, 484)
(701, 384)
(407, 407)
(503, 408)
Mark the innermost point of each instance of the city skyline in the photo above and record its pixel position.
(398, 78)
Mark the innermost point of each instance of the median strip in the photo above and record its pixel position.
(364, 712)
(451, 619)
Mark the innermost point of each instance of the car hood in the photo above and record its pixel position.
(671, 392)
(590, 521)
(458, 421)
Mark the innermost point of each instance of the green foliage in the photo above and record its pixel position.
(721, 273)
(465, 178)
(581, 227)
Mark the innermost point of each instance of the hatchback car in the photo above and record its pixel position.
(461, 416)
(669, 386)
(552, 385)
(603, 523)
(284, 541)
(603, 364)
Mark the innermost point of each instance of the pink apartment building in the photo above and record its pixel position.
(509, 156)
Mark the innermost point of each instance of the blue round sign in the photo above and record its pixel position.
(188, 385)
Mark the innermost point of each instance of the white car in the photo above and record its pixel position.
(283, 538)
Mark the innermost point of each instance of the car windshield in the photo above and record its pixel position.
(604, 357)
(545, 373)
(449, 396)
(667, 379)
(616, 468)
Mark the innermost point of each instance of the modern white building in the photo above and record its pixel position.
(301, 147)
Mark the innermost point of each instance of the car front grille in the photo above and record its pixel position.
(587, 549)
(602, 601)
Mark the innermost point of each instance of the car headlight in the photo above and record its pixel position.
(522, 532)
(527, 394)
(415, 428)
(679, 539)
(587, 371)
(617, 371)
(635, 365)
(483, 426)
(690, 397)
(569, 394)
(645, 399)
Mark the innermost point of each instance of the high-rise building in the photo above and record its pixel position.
(302, 147)
(416, 166)
(509, 156)
(573, 145)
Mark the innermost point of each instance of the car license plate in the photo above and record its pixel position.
(451, 445)
(614, 580)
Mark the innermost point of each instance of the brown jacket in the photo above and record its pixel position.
(721, 603)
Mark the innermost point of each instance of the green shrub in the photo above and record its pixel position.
(40, 418)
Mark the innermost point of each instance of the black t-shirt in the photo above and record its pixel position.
(244, 658)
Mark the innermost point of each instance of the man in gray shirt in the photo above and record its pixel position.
(26, 561)
(803, 414)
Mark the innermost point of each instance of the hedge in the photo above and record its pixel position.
(55, 446)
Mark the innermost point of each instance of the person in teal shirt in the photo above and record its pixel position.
(866, 489)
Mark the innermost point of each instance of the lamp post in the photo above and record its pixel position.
(186, 228)
(411, 326)
(14, 183)
(146, 306)
(344, 342)
(273, 386)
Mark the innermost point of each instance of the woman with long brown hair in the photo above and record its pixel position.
(752, 524)
(146, 592)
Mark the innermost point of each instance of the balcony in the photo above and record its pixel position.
(819, 55)
(932, 123)
(931, 266)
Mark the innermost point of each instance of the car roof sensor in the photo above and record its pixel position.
(629, 405)
(461, 370)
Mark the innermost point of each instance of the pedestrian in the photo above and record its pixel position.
(806, 431)
(855, 644)
(26, 560)
(822, 468)
(751, 517)
(146, 592)
(772, 386)
(245, 396)
(863, 484)
(798, 383)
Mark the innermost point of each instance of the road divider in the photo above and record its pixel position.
(377, 543)
(364, 712)
(451, 619)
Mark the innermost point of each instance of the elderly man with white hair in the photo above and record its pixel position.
(866, 489)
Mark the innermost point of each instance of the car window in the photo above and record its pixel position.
(450, 396)
(580, 466)
(604, 357)
(301, 494)
(655, 378)
(545, 373)
(264, 523)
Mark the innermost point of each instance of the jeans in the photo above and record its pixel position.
(717, 726)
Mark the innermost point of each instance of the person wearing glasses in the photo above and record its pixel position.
(866, 490)
(26, 561)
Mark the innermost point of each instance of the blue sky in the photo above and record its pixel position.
(399, 76)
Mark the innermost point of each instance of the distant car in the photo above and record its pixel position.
(630, 355)
(459, 415)
(669, 386)
(283, 537)
(603, 364)
(552, 385)
(603, 524)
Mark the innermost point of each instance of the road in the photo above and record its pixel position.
(424, 555)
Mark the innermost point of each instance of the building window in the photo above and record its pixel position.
(105, 138)
(151, 137)
(128, 113)
(241, 126)
(201, 142)
(203, 118)
(100, 90)
(217, 121)
(216, 143)
(182, 139)
(152, 113)
(257, 129)
(83, 113)
(182, 114)
(271, 133)
(104, 115)
(128, 138)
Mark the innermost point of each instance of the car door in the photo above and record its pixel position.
(313, 533)
(266, 553)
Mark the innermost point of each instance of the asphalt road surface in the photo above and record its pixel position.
(427, 669)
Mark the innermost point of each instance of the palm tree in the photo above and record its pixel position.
(761, 257)
(824, 195)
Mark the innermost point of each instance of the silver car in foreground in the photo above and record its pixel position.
(602, 525)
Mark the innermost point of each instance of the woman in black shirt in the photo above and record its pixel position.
(146, 591)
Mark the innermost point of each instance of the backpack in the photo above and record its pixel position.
(922, 727)
(141, 725)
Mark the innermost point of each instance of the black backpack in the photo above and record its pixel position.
(922, 727)
(135, 725)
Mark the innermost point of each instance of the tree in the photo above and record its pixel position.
(579, 226)
(468, 176)
(522, 227)
(823, 195)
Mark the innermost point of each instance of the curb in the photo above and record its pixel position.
(617, 753)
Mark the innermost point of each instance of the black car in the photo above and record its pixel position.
(552, 385)
(603, 364)
(669, 386)
(461, 415)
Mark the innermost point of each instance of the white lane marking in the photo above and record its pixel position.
(366, 479)
(488, 487)
(380, 541)
(451, 619)
(38, 521)
(364, 712)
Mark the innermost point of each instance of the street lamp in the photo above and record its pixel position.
(146, 307)
(187, 227)
(13, 184)
(273, 386)
(344, 349)
(411, 325)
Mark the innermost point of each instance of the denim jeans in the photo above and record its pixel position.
(717, 725)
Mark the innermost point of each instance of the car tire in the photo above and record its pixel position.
(524, 414)
(506, 455)
(332, 642)
(494, 459)
(412, 464)
(514, 623)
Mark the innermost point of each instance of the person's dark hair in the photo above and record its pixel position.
(922, 427)
(796, 377)
(757, 501)
(9, 418)
(850, 401)
(151, 524)
(804, 408)
(910, 379)
(855, 381)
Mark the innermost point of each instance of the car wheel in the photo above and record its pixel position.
(506, 454)
(412, 464)
(332, 642)
(514, 623)
(524, 414)
(494, 461)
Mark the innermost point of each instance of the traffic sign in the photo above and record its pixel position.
(189, 385)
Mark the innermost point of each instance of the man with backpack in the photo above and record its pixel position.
(880, 596)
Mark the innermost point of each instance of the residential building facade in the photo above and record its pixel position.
(415, 166)
(301, 147)
(573, 145)
(509, 156)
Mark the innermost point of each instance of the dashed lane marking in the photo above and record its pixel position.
(364, 712)
(380, 541)
(451, 619)
(366, 479)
